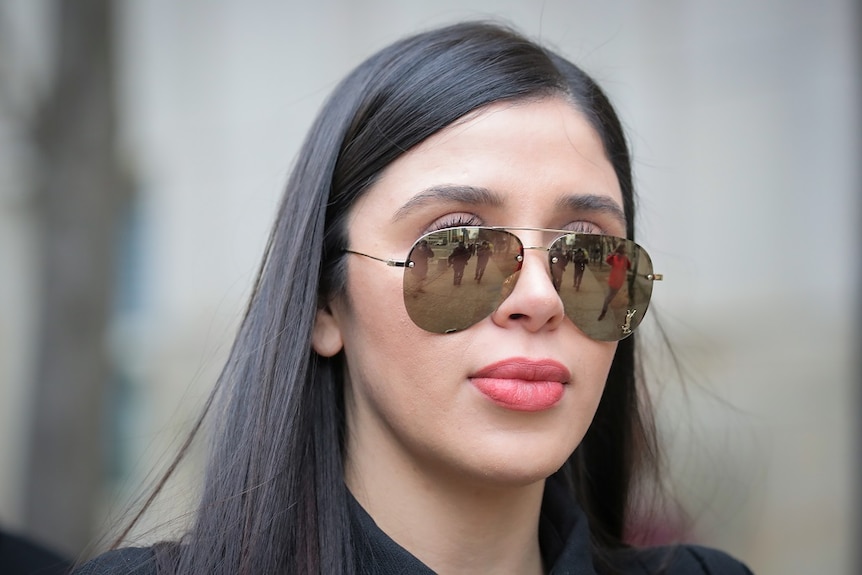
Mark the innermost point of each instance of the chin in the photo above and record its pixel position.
(523, 467)
(518, 478)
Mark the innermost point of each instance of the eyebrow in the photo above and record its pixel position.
(470, 195)
(593, 203)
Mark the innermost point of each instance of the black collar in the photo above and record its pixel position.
(564, 538)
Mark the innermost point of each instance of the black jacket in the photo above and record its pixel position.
(563, 535)
(22, 556)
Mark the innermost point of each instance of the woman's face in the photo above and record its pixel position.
(467, 405)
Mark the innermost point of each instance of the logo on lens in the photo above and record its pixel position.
(627, 326)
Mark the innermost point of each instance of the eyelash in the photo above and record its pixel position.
(584, 227)
(455, 221)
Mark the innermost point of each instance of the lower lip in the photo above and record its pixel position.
(520, 394)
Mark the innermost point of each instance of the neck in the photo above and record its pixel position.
(452, 526)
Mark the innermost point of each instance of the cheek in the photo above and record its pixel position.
(378, 321)
(381, 343)
(592, 368)
(596, 361)
(398, 389)
(598, 365)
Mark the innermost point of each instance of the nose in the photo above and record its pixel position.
(533, 302)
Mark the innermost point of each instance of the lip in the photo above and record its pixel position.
(522, 384)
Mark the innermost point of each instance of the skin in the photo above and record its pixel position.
(449, 475)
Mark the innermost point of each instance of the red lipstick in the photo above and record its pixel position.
(522, 384)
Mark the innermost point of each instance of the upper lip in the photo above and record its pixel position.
(526, 369)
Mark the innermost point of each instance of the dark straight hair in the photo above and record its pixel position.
(274, 498)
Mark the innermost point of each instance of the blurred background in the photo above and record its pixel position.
(144, 144)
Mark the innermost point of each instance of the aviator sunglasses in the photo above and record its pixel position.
(456, 277)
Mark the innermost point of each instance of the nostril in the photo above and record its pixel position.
(516, 315)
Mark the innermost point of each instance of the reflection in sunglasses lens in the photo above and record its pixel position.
(603, 283)
(459, 276)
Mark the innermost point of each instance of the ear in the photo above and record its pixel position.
(326, 336)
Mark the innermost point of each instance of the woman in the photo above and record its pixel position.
(365, 426)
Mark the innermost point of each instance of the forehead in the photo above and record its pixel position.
(522, 161)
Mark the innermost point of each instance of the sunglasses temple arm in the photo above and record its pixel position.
(391, 263)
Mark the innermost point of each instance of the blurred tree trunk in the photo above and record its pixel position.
(78, 201)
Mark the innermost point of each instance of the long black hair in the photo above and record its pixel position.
(274, 499)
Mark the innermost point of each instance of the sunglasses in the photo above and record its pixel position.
(456, 277)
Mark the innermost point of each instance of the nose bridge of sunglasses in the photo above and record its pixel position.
(543, 258)
(546, 242)
(528, 248)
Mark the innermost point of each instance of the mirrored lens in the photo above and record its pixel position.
(603, 283)
(458, 275)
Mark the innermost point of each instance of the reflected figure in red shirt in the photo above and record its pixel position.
(620, 264)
